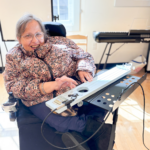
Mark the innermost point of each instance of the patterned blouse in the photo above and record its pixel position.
(24, 71)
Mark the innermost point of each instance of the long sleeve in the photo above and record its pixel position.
(84, 60)
(21, 86)
(24, 71)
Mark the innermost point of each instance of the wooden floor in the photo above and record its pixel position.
(129, 125)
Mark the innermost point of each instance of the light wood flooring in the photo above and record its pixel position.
(129, 125)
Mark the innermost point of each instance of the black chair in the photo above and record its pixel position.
(29, 125)
(55, 29)
(30, 137)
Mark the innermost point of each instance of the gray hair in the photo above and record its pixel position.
(22, 23)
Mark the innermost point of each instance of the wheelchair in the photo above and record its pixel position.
(30, 137)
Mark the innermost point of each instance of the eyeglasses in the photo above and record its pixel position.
(39, 36)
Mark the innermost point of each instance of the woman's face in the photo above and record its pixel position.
(32, 37)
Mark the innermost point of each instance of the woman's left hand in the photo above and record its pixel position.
(85, 76)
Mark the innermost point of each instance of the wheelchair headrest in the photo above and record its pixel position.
(55, 29)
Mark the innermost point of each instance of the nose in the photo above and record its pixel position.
(34, 40)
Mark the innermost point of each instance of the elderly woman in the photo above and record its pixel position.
(41, 67)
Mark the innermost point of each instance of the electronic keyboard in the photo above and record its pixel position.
(88, 88)
(131, 36)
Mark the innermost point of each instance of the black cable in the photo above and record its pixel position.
(77, 144)
(143, 107)
(102, 123)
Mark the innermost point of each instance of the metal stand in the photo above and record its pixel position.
(1, 59)
(111, 97)
(0, 47)
(108, 54)
(142, 41)
(148, 60)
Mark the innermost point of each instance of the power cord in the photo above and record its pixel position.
(102, 123)
(143, 107)
(75, 145)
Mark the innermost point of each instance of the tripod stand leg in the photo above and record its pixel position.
(102, 57)
(5, 46)
(1, 59)
(107, 56)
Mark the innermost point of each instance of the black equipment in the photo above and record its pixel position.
(133, 36)
(122, 37)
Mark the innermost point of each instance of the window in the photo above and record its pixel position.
(68, 12)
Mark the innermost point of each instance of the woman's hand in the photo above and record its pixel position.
(85, 76)
(65, 81)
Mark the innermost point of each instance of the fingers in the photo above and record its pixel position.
(82, 78)
(89, 77)
(57, 79)
(65, 81)
(85, 76)
(69, 84)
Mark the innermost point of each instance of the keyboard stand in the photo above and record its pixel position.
(1, 34)
(1, 60)
(108, 54)
(110, 98)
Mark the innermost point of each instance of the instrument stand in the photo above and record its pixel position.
(148, 60)
(106, 54)
(0, 49)
(1, 59)
(112, 96)
(5, 47)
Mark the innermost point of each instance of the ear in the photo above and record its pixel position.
(19, 40)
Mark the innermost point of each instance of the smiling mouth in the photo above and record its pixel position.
(34, 47)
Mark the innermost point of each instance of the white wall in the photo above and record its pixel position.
(3, 49)
(12, 10)
(102, 15)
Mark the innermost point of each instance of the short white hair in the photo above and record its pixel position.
(22, 23)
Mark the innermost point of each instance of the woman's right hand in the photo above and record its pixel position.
(65, 81)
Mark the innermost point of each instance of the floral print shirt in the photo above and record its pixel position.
(24, 71)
